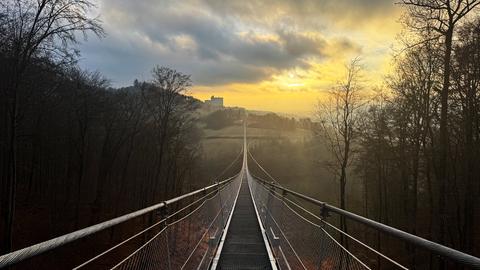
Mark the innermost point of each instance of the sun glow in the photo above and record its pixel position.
(297, 88)
(295, 84)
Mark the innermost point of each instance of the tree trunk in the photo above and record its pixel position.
(469, 213)
(442, 175)
(11, 179)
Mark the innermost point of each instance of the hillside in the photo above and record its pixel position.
(236, 132)
(223, 130)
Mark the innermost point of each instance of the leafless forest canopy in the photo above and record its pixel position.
(75, 151)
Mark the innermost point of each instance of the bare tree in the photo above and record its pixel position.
(339, 117)
(34, 29)
(441, 16)
(465, 87)
(163, 99)
(413, 87)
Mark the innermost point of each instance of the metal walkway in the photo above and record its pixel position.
(244, 246)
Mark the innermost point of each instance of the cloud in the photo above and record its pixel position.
(223, 42)
(307, 13)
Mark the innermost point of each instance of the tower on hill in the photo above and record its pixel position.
(216, 102)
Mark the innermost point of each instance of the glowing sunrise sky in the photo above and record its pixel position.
(262, 55)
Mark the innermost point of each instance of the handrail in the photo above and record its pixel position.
(321, 219)
(441, 250)
(37, 249)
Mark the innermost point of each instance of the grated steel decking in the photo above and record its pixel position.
(244, 246)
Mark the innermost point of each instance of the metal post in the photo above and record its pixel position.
(324, 211)
(269, 206)
(221, 205)
(163, 212)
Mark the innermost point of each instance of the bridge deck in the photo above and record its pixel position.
(244, 246)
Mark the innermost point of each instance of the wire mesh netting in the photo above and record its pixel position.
(297, 242)
(189, 241)
(148, 256)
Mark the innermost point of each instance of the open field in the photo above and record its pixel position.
(236, 132)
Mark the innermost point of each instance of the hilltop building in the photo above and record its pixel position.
(215, 102)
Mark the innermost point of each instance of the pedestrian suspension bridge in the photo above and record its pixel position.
(243, 222)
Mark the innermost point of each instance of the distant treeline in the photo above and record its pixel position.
(230, 116)
(223, 118)
(275, 121)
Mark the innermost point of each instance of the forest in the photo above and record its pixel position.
(74, 150)
(405, 154)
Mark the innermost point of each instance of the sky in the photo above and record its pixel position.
(269, 55)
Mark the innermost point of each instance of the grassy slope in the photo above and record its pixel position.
(234, 132)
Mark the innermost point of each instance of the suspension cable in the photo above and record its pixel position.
(286, 239)
(119, 244)
(260, 166)
(229, 166)
(366, 246)
(199, 199)
(344, 249)
(439, 249)
(37, 249)
(147, 229)
(140, 248)
(346, 234)
(276, 195)
(206, 198)
(198, 243)
(332, 226)
(322, 220)
(193, 211)
(169, 225)
(318, 226)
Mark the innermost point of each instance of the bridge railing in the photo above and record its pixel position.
(298, 242)
(282, 213)
(185, 235)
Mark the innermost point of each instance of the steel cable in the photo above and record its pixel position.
(303, 244)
